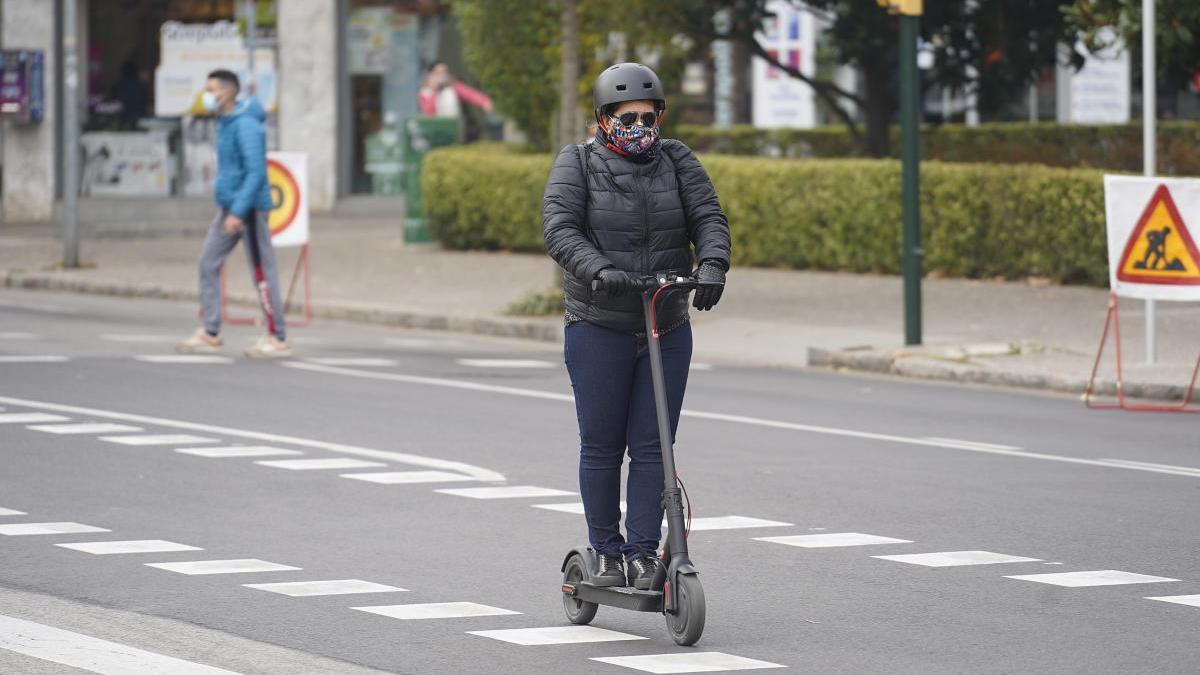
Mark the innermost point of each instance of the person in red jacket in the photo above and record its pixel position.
(442, 95)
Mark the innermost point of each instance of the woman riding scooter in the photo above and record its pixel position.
(628, 205)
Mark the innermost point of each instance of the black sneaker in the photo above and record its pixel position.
(610, 572)
(641, 572)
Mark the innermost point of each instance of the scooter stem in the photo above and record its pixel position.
(676, 544)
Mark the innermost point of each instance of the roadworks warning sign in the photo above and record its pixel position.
(1151, 250)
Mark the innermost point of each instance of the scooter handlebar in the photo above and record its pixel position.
(651, 283)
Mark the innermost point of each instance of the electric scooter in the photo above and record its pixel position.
(675, 590)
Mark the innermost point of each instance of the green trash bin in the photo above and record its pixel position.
(421, 134)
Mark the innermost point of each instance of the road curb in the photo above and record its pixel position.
(927, 368)
(495, 326)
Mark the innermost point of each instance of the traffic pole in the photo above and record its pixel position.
(70, 108)
(910, 92)
(1149, 120)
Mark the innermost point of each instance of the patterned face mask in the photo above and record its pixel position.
(632, 139)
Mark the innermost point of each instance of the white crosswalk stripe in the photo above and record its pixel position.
(325, 463)
(687, 662)
(30, 418)
(136, 546)
(11, 512)
(237, 566)
(506, 363)
(409, 477)
(506, 492)
(555, 635)
(1091, 578)
(164, 439)
(300, 589)
(33, 358)
(91, 654)
(956, 558)
(1189, 600)
(25, 529)
(352, 361)
(732, 523)
(238, 451)
(832, 540)
(138, 338)
(574, 507)
(185, 359)
(85, 428)
(436, 610)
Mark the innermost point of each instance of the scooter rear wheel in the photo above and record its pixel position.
(578, 611)
(687, 622)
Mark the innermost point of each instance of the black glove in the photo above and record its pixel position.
(711, 276)
(614, 282)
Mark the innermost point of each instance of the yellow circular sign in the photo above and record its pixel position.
(285, 197)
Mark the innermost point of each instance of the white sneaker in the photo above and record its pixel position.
(269, 347)
(200, 343)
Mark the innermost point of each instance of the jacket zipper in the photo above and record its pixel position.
(645, 229)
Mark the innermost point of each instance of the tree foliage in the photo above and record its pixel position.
(1177, 32)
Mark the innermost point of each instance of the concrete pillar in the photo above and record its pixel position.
(31, 151)
(308, 92)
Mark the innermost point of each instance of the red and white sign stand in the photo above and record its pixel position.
(287, 174)
(1152, 254)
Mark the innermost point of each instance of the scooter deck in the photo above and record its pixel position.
(624, 597)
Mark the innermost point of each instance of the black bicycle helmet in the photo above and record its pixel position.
(627, 82)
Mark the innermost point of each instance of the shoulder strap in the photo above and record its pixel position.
(581, 151)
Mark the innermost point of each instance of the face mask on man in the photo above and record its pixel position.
(210, 102)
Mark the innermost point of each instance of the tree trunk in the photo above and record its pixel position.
(569, 126)
(878, 110)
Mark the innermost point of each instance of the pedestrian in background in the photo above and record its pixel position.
(243, 199)
(628, 205)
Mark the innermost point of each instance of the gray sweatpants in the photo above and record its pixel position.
(261, 256)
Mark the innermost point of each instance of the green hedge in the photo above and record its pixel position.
(1117, 148)
(1011, 221)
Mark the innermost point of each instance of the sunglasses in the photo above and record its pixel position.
(649, 119)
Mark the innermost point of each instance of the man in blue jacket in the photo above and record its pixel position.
(244, 200)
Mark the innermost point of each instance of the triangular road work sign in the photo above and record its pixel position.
(1160, 250)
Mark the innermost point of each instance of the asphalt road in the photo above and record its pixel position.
(1038, 483)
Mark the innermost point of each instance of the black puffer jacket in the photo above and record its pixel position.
(640, 217)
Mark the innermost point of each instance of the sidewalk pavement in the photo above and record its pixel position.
(989, 332)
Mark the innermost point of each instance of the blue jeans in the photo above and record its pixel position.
(614, 400)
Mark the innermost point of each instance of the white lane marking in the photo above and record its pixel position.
(409, 477)
(970, 446)
(138, 338)
(91, 654)
(555, 635)
(30, 418)
(733, 523)
(1181, 470)
(303, 589)
(33, 358)
(11, 512)
(409, 342)
(319, 464)
(505, 363)
(238, 451)
(574, 508)
(476, 472)
(833, 540)
(1091, 578)
(506, 492)
(85, 428)
(436, 610)
(1189, 600)
(14, 335)
(138, 546)
(238, 566)
(700, 366)
(351, 361)
(39, 307)
(165, 439)
(977, 444)
(956, 558)
(185, 359)
(23, 529)
(687, 662)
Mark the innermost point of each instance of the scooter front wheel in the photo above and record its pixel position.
(687, 622)
(578, 611)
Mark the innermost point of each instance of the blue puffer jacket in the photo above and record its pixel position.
(242, 160)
